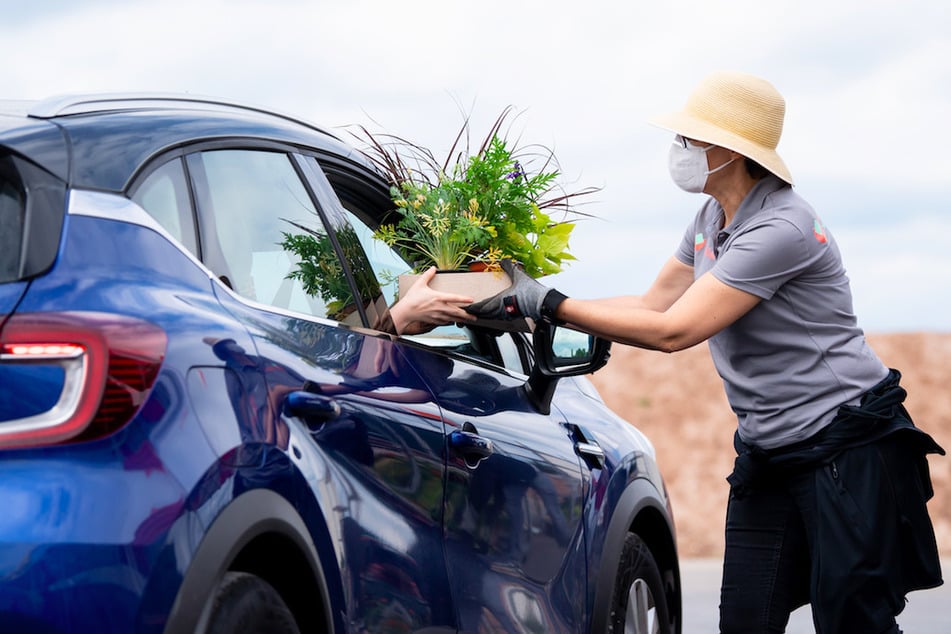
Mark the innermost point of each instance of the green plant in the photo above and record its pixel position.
(481, 206)
(434, 228)
(319, 269)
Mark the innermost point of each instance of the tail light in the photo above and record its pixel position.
(107, 364)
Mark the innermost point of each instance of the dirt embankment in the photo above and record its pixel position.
(678, 401)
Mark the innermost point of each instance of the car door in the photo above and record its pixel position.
(369, 422)
(514, 489)
(514, 500)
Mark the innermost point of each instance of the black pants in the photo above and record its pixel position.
(809, 537)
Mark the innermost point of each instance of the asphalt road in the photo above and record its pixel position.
(927, 611)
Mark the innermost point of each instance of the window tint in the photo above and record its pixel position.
(11, 228)
(248, 200)
(164, 195)
(32, 213)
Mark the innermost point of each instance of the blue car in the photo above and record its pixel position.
(190, 442)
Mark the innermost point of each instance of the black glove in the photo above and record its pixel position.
(523, 298)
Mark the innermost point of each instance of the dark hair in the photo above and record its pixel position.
(754, 169)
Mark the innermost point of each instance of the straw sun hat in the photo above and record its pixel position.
(737, 111)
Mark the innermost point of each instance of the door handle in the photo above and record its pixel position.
(591, 453)
(312, 408)
(468, 443)
(589, 450)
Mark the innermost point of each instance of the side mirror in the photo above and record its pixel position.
(560, 352)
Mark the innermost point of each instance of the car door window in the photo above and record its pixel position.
(248, 200)
(352, 236)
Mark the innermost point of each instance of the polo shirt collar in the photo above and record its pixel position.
(755, 200)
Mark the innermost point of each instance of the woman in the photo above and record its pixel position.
(827, 501)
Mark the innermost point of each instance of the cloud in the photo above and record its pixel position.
(900, 273)
(867, 85)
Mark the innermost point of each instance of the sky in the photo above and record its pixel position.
(867, 86)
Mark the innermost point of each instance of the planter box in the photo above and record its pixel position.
(477, 285)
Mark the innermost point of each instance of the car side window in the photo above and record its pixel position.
(164, 195)
(352, 235)
(248, 200)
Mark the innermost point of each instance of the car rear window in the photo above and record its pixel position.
(32, 210)
(12, 210)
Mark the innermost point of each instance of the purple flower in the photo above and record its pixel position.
(518, 172)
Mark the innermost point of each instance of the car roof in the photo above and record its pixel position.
(110, 136)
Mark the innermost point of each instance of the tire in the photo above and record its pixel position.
(246, 604)
(639, 605)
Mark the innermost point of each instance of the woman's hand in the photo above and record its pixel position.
(423, 308)
(523, 298)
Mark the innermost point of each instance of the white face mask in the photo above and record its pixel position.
(688, 165)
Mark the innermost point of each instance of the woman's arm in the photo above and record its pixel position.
(672, 281)
(701, 310)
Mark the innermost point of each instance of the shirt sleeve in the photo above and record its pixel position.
(685, 249)
(766, 256)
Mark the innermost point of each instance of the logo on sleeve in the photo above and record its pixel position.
(819, 231)
(698, 242)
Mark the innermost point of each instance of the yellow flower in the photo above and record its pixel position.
(492, 259)
(476, 220)
(436, 225)
(473, 205)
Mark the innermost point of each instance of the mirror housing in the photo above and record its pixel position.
(559, 352)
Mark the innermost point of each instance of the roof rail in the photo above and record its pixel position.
(103, 102)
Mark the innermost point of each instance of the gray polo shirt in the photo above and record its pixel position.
(798, 355)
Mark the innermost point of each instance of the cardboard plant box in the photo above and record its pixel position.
(478, 285)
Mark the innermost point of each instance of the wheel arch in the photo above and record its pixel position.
(258, 532)
(640, 510)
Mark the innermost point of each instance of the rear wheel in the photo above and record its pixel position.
(639, 605)
(245, 603)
